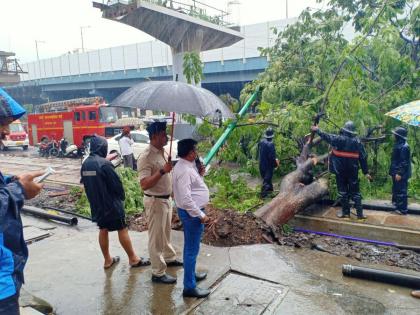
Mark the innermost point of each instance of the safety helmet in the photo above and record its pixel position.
(349, 127)
(400, 132)
(269, 133)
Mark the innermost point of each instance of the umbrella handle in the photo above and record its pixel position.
(172, 136)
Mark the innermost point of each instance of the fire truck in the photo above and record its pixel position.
(75, 119)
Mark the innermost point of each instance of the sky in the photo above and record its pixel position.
(56, 25)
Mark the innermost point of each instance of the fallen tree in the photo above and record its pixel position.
(298, 190)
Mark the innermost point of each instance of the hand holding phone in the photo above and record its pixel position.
(49, 171)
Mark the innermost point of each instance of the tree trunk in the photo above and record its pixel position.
(297, 192)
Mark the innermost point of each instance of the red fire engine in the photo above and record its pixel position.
(73, 119)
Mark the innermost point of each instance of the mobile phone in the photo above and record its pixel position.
(44, 176)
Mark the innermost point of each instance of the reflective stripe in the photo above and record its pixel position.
(344, 154)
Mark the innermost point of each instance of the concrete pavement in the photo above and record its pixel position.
(66, 270)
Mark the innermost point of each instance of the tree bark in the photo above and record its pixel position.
(297, 192)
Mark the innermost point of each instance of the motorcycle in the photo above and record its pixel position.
(67, 150)
(48, 148)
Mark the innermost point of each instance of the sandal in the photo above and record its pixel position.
(142, 263)
(115, 260)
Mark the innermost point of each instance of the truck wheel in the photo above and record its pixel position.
(54, 152)
(25, 148)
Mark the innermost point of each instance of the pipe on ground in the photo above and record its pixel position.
(45, 215)
(379, 275)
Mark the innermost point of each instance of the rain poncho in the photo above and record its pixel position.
(13, 250)
(103, 187)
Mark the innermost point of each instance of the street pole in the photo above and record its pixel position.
(37, 55)
(81, 36)
(287, 9)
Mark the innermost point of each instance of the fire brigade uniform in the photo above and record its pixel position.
(158, 207)
(348, 152)
(267, 162)
(400, 165)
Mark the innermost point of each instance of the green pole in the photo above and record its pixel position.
(229, 129)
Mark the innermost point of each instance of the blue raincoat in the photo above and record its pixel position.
(13, 250)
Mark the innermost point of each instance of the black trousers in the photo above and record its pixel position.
(10, 305)
(399, 194)
(267, 186)
(348, 189)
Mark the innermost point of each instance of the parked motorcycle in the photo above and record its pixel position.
(48, 148)
(67, 150)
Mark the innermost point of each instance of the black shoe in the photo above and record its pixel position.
(199, 276)
(197, 293)
(361, 217)
(400, 212)
(166, 279)
(175, 263)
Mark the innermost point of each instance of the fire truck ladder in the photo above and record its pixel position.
(67, 105)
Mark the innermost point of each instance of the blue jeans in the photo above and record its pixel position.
(10, 305)
(193, 230)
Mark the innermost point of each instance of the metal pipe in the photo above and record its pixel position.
(384, 276)
(42, 214)
(230, 128)
(68, 212)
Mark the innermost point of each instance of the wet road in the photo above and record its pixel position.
(16, 161)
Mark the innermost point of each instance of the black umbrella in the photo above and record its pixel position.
(173, 96)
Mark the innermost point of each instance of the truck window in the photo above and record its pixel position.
(83, 115)
(92, 115)
(77, 116)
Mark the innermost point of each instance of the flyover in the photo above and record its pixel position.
(108, 72)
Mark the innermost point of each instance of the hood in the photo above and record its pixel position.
(9, 108)
(98, 146)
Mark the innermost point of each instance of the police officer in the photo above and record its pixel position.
(400, 170)
(154, 167)
(347, 153)
(267, 161)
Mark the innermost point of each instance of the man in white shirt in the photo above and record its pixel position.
(191, 196)
(126, 143)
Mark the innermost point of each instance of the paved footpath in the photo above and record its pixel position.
(66, 270)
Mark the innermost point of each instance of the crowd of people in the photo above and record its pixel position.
(161, 182)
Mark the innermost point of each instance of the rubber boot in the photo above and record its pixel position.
(359, 208)
(345, 211)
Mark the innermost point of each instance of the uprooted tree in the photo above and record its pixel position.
(314, 67)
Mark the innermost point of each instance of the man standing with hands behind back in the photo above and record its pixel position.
(154, 167)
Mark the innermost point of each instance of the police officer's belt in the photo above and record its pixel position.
(344, 154)
(160, 197)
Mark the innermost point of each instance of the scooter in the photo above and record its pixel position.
(68, 150)
(48, 148)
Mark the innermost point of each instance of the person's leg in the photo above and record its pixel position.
(394, 193)
(401, 195)
(155, 231)
(169, 253)
(10, 305)
(342, 188)
(126, 160)
(356, 196)
(192, 237)
(269, 180)
(125, 242)
(104, 244)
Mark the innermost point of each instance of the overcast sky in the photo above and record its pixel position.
(55, 24)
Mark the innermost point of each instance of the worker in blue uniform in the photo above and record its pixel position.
(400, 170)
(347, 154)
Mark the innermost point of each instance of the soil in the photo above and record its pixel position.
(49, 197)
(231, 228)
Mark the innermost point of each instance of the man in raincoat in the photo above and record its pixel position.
(106, 195)
(347, 153)
(13, 191)
(400, 170)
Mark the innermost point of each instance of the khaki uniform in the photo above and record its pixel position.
(158, 210)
